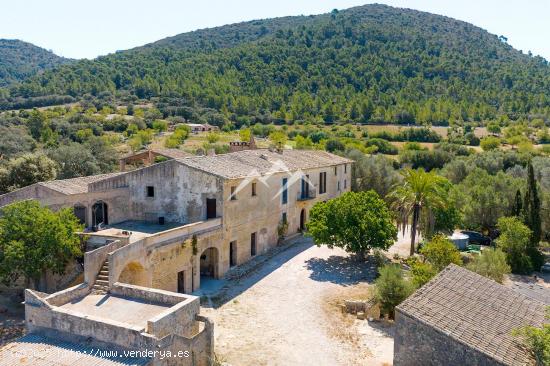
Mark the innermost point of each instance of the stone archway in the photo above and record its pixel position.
(209, 262)
(134, 274)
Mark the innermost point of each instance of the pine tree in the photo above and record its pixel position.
(531, 217)
(517, 210)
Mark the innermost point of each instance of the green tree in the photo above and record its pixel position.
(531, 217)
(421, 272)
(490, 143)
(417, 195)
(212, 137)
(178, 137)
(278, 139)
(391, 288)
(244, 134)
(440, 252)
(160, 125)
(26, 170)
(74, 160)
(537, 341)
(355, 221)
(35, 240)
(514, 241)
(491, 263)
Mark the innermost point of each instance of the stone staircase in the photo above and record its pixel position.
(101, 284)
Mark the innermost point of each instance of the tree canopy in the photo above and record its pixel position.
(355, 221)
(34, 240)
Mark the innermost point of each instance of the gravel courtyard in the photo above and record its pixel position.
(284, 312)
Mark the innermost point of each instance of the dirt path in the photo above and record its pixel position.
(277, 315)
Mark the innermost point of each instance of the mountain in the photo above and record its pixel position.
(372, 63)
(20, 60)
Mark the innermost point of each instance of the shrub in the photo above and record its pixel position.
(441, 252)
(382, 146)
(333, 145)
(537, 341)
(490, 143)
(514, 241)
(421, 272)
(491, 264)
(391, 288)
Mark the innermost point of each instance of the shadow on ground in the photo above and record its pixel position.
(344, 271)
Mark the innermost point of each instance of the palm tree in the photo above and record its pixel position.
(417, 195)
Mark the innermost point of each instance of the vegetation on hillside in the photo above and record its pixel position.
(367, 64)
(20, 60)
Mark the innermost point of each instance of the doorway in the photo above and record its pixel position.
(253, 244)
(181, 282)
(100, 212)
(210, 208)
(303, 219)
(232, 253)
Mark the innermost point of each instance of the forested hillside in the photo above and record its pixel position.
(367, 64)
(20, 60)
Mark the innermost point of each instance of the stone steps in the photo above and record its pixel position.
(101, 284)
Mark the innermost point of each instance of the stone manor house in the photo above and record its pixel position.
(172, 224)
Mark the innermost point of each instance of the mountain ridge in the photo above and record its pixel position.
(372, 63)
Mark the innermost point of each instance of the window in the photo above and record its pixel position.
(345, 168)
(253, 189)
(285, 191)
(338, 186)
(283, 218)
(253, 244)
(305, 187)
(336, 170)
(150, 191)
(322, 182)
(345, 183)
(233, 193)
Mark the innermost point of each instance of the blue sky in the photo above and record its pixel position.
(86, 29)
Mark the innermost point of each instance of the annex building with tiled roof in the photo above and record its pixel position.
(462, 318)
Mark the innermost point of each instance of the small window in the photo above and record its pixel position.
(336, 170)
(283, 218)
(345, 168)
(253, 189)
(150, 191)
(233, 193)
(345, 183)
(338, 186)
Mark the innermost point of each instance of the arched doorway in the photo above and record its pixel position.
(100, 212)
(209, 264)
(133, 274)
(303, 219)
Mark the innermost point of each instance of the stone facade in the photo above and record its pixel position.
(416, 344)
(231, 204)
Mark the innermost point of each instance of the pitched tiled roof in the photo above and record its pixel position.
(262, 161)
(172, 153)
(475, 311)
(37, 350)
(76, 185)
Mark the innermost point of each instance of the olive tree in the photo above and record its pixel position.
(355, 221)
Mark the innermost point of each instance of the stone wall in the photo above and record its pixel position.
(180, 193)
(417, 344)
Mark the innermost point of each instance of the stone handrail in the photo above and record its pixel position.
(93, 261)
